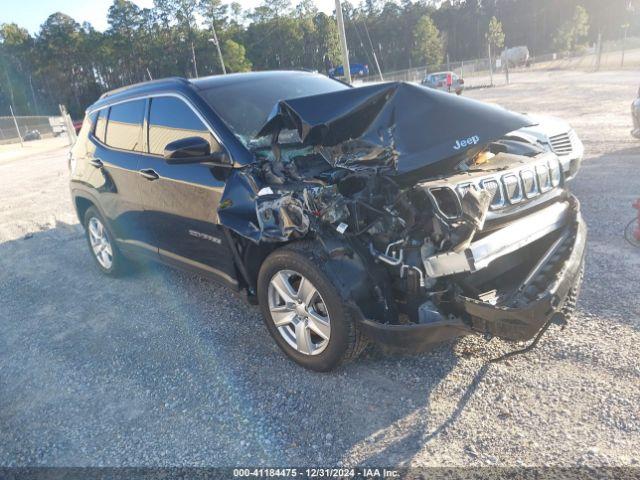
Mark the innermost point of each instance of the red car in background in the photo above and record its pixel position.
(447, 81)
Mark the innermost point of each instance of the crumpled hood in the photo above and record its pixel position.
(395, 125)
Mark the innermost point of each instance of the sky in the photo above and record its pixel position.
(30, 14)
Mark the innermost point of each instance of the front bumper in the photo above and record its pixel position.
(510, 323)
(523, 323)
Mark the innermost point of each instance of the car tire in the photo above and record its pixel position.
(345, 341)
(102, 246)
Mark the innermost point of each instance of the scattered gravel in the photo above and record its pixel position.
(165, 368)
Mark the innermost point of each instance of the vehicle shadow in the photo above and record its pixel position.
(162, 367)
(402, 450)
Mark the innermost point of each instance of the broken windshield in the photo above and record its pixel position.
(246, 105)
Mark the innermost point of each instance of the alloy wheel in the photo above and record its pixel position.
(100, 244)
(299, 312)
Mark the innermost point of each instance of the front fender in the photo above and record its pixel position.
(363, 285)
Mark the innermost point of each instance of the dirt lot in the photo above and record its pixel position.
(164, 368)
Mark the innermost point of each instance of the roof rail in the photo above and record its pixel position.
(140, 84)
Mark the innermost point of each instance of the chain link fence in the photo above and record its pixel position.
(475, 73)
(15, 129)
(478, 74)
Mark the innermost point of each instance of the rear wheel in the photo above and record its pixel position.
(304, 312)
(103, 249)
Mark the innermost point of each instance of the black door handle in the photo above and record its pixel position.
(149, 174)
(96, 162)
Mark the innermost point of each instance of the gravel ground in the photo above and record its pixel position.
(165, 368)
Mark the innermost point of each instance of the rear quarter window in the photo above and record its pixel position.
(101, 125)
(87, 125)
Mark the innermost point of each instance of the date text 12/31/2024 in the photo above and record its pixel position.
(357, 473)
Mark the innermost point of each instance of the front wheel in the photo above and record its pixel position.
(304, 312)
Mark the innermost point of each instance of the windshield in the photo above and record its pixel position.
(245, 105)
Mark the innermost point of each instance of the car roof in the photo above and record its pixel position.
(181, 84)
(205, 83)
(442, 73)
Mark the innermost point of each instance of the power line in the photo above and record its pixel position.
(355, 27)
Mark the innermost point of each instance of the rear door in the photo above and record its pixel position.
(119, 144)
(181, 201)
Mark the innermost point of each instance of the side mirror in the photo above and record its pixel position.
(193, 150)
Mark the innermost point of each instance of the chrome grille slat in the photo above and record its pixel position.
(529, 182)
(513, 186)
(544, 178)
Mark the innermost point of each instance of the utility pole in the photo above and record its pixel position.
(375, 59)
(625, 27)
(373, 50)
(490, 64)
(343, 42)
(15, 122)
(6, 72)
(598, 51)
(193, 57)
(506, 69)
(33, 95)
(214, 40)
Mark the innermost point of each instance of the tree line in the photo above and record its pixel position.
(72, 64)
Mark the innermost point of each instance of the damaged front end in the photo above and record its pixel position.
(430, 222)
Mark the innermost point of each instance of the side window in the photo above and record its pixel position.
(101, 124)
(124, 129)
(171, 119)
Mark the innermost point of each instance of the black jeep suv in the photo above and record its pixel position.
(390, 213)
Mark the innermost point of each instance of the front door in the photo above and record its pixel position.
(181, 201)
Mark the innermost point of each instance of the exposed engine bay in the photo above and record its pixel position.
(459, 229)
